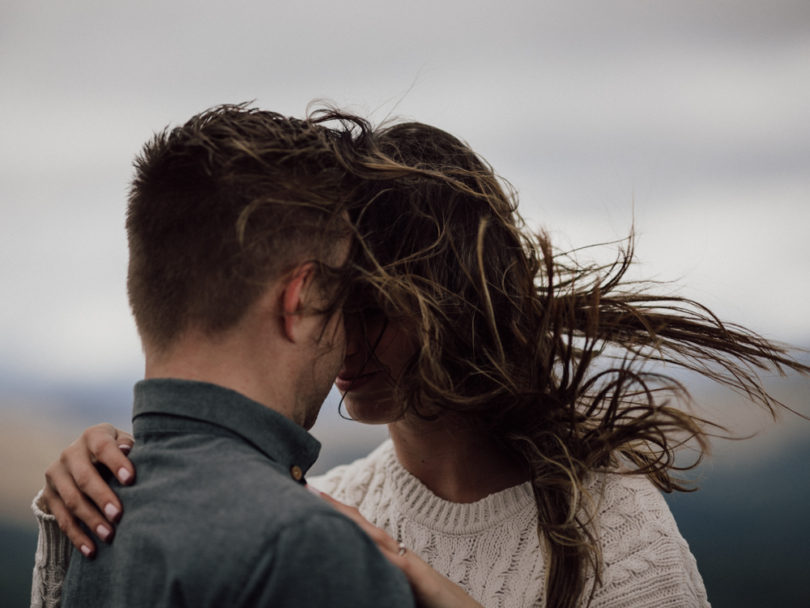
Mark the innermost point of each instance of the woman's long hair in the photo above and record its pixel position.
(567, 365)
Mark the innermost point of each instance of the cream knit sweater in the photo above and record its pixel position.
(491, 547)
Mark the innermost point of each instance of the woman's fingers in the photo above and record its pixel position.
(62, 498)
(84, 491)
(387, 544)
(77, 478)
(109, 446)
(431, 589)
(76, 492)
(69, 525)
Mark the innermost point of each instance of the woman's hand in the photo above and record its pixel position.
(75, 491)
(431, 589)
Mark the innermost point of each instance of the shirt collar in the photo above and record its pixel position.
(275, 435)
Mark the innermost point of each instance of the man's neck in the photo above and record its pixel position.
(229, 363)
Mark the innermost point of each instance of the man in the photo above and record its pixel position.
(239, 248)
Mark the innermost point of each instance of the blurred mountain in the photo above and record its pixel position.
(748, 528)
(16, 560)
(37, 420)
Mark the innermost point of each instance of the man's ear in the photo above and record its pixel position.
(293, 299)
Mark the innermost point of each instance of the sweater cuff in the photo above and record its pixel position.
(53, 547)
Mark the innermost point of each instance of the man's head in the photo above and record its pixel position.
(222, 205)
(239, 245)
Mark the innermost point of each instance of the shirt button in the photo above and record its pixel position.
(296, 472)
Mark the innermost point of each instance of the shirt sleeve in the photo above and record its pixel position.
(50, 560)
(326, 561)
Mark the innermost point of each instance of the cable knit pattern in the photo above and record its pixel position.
(50, 561)
(491, 547)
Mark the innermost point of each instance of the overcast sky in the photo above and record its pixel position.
(690, 118)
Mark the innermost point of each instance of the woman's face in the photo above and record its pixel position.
(376, 356)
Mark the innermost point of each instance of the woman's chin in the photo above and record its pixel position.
(371, 411)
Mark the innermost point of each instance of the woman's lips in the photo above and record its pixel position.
(345, 382)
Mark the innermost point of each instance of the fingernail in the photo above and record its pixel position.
(85, 551)
(123, 475)
(111, 511)
(103, 532)
(125, 448)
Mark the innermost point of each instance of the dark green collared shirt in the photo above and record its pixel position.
(219, 516)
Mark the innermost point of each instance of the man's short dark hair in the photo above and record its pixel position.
(221, 205)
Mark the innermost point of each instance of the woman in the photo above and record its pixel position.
(529, 418)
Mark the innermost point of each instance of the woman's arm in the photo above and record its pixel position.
(50, 561)
(75, 491)
(74, 488)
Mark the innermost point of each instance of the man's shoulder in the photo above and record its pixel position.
(325, 559)
(238, 535)
(218, 478)
(279, 544)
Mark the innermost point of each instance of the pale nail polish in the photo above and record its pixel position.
(123, 475)
(85, 550)
(111, 511)
(125, 448)
(103, 532)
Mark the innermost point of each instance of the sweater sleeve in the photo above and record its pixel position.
(647, 562)
(50, 561)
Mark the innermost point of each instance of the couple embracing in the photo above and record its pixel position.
(271, 257)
